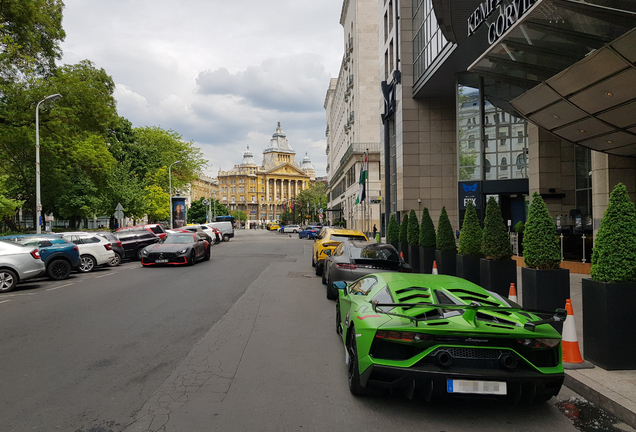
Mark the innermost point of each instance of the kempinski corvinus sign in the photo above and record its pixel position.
(509, 14)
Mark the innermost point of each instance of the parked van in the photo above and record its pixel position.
(226, 228)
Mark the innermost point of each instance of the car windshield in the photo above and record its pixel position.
(374, 252)
(178, 239)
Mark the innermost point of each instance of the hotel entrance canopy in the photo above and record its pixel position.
(573, 64)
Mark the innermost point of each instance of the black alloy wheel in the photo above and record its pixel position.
(331, 293)
(8, 280)
(226, 237)
(193, 258)
(138, 253)
(58, 269)
(207, 254)
(323, 279)
(353, 373)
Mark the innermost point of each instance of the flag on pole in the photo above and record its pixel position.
(363, 180)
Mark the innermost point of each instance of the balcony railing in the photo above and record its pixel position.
(351, 117)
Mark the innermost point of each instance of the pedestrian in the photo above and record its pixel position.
(375, 230)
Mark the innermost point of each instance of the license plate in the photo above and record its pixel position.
(161, 261)
(477, 387)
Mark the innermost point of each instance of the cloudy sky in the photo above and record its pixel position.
(219, 72)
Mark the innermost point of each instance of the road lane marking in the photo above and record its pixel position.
(21, 294)
(4, 301)
(58, 287)
(107, 274)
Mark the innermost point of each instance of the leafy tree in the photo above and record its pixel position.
(30, 36)
(394, 230)
(541, 249)
(471, 233)
(413, 230)
(614, 252)
(316, 195)
(495, 240)
(218, 208)
(445, 235)
(198, 212)
(157, 203)
(427, 230)
(404, 226)
(239, 215)
(8, 206)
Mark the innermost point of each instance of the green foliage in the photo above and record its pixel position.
(614, 252)
(316, 195)
(218, 208)
(495, 241)
(413, 231)
(445, 236)
(471, 232)
(428, 238)
(394, 230)
(8, 206)
(520, 227)
(541, 248)
(157, 203)
(198, 213)
(30, 36)
(239, 215)
(404, 226)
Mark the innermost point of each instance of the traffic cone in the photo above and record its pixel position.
(512, 295)
(435, 267)
(571, 353)
(402, 255)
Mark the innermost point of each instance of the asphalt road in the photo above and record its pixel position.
(244, 342)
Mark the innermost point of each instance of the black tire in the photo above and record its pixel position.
(295, 231)
(58, 269)
(331, 293)
(226, 237)
(207, 255)
(87, 264)
(323, 279)
(353, 372)
(138, 253)
(115, 261)
(318, 269)
(338, 318)
(193, 258)
(313, 263)
(299, 237)
(8, 280)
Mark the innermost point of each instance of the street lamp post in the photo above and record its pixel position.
(170, 188)
(38, 201)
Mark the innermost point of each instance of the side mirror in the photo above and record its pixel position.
(328, 252)
(341, 285)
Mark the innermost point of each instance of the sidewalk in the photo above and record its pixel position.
(614, 391)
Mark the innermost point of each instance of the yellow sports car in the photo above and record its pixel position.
(327, 240)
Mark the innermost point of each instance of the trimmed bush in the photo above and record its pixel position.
(413, 230)
(404, 226)
(394, 230)
(445, 234)
(614, 255)
(427, 230)
(541, 249)
(470, 235)
(495, 242)
(519, 227)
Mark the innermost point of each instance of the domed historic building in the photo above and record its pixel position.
(261, 190)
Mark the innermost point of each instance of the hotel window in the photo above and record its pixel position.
(386, 27)
(428, 40)
(390, 15)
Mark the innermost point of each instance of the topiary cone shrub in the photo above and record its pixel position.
(497, 270)
(446, 248)
(540, 241)
(413, 237)
(614, 255)
(394, 230)
(495, 240)
(427, 242)
(404, 243)
(413, 229)
(519, 227)
(471, 232)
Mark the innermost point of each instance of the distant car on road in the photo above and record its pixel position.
(176, 249)
(290, 229)
(59, 256)
(94, 250)
(309, 231)
(353, 259)
(329, 239)
(116, 244)
(18, 263)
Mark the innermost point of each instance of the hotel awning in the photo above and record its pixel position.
(575, 63)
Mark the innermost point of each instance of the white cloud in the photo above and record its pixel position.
(220, 73)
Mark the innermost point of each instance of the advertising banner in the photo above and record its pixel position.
(178, 212)
(469, 191)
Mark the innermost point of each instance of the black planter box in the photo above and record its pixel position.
(446, 262)
(545, 290)
(609, 339)
(414, 255)
(396, 245)
(468, 268)
(497, 275)
(404, 248)
(427, 256)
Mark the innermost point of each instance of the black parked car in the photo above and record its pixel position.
(133, 241)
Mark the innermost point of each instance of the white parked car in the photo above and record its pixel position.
(291, 228)
(94, 250)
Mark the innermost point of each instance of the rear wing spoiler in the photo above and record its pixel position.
(470, 312)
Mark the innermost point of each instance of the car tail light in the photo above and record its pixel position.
(108, 246)
(119, 244)
(347, 266)
(36, 254)
(75, 248)
(402, 336)
(539, 343)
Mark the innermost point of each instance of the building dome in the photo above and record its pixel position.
(306, 165)
(279, 142)
(248, 157)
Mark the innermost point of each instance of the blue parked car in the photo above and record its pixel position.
(60, 257)
(309, 231)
